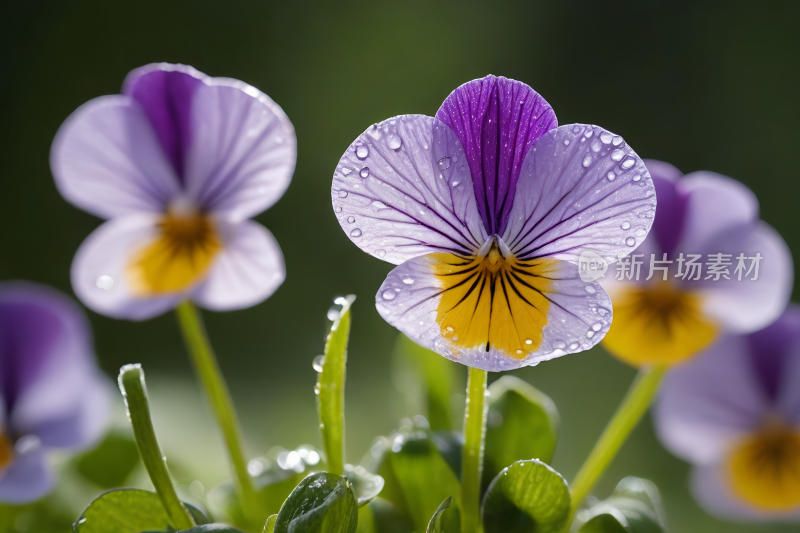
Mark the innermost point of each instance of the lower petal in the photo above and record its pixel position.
(519, 315)
(247, 270)
(27, 479)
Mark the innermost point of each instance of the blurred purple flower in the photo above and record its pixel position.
(52, 395)
(178, 163)
(700, 216)
(734, 412)
(487, 209)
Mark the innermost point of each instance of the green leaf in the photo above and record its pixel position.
(522, 424)
(321, 503)
(527, 497)
(269, 527)
(330, 388)
(210, 528)
(380, 516)
(435, 525)
(417, 477)
(277, 475)
(111, 463)
(427, 381)
(634, 507)
(366, 484)
(128, 511)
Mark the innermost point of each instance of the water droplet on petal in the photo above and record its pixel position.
(364, 172)
(379, 205)
(318, 362)
(616, 155)
(528, 341)
(345, 171)
(560, 345)
(105, 283)
(605, 137)
(408, 281)
(636, 178)
(388, 295)
(576, 129)
(625, 225)
(595, 147)
(587, 161)
(597, 326)
(356, 233)
(589, 131)
(338, 209)
(590, 334)
(574, 346)
(380, 253)
(630, 241)
(350, 220)
(641, 232)
(342, 194)
(566, 142)
(394, 142)
(444, 163)
(611, 176)
(628, 163)
(362, 151)
(617, 140)
(589, 289)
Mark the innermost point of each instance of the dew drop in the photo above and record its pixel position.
(105, 283)
(595, 147)
(338, 209)
(379, 205)
(597, 326)
(333, 313)
(560, 345)
(317, 363)
(356, 233)
(566, 142)
(630, 241)
(444, 163)
(362, 152)
(589, 131)
(574, 346)
(380, 253)
(616, 155)
(364, 172)
(576, 129)
(590, 289)
(346, 171)
(394, 142)
(350, 220)
(605, 137)
(628, 163)
(641, 232)
(611, 176)
(388, 295)
(408, 281)
(625, 225)
(636, 178)
(590, 334)
(342, 194)
(518, 353)
(587, 161)
(617, 140)
(528, 341)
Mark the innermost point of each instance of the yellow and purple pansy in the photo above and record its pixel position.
(52, 395)
(177, 163)
(709, 264)
(486, 208)
(734, 413)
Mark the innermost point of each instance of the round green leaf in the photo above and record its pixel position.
(111, 463)
(321, 503)
(527, 497)
(366, 484)
(634, 507)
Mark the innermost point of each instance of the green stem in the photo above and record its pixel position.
(205, 364)
(134, 390)
(472, 456)
(633, 407)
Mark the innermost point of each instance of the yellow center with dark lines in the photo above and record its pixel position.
(6, 450)
(493, 301)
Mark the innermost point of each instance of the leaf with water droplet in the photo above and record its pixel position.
(321, 503)
(366, 484)
(526, 497)
(634, 507)
(522, 423)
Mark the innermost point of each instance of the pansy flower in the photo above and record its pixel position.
(710, 264)
(177, 163)
(734, 412)
(486, 209)
(52, 395)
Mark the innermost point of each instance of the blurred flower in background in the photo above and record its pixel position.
(487, 208)
(710, 264)
(734, 412)
(52, 395)
(177, 163)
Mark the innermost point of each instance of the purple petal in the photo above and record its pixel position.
(243, 150)
(771, 347)
(577, 317)
(496, 120)
(106, 160)
(672, 203)
(165, 92)
(28, 479)
(248, 269)
(99, 270)
(402, 189)
(707, 404)
(581, 188)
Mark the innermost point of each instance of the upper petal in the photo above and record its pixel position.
(496, 119)
(107, 160)
(248, 269)
(581, 188)
(243, 150)
(708, 403)
(402, 189)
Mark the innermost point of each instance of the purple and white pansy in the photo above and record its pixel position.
(52, 395)
(486, 208)
(177, 163)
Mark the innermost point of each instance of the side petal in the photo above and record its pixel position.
(496, 119)
(668, 226)
(27, 479)
(521, 317)
(403, 189)
(243, 150)
(107, 160)
(743, 305)
(247, 271)
(580, 188)
(100, 269)
(708, 403)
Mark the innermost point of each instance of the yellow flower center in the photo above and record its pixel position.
(6, 451)
(180, 256)
(657, 324)
(492, 301)
(764, 469)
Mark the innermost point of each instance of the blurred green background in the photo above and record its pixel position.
(703, 85)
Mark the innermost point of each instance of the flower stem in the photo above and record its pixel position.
(472, 456)
(633, 407)
(134, 390)
(205, 364)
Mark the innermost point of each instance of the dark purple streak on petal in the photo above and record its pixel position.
(496, 119)
(770, 347)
